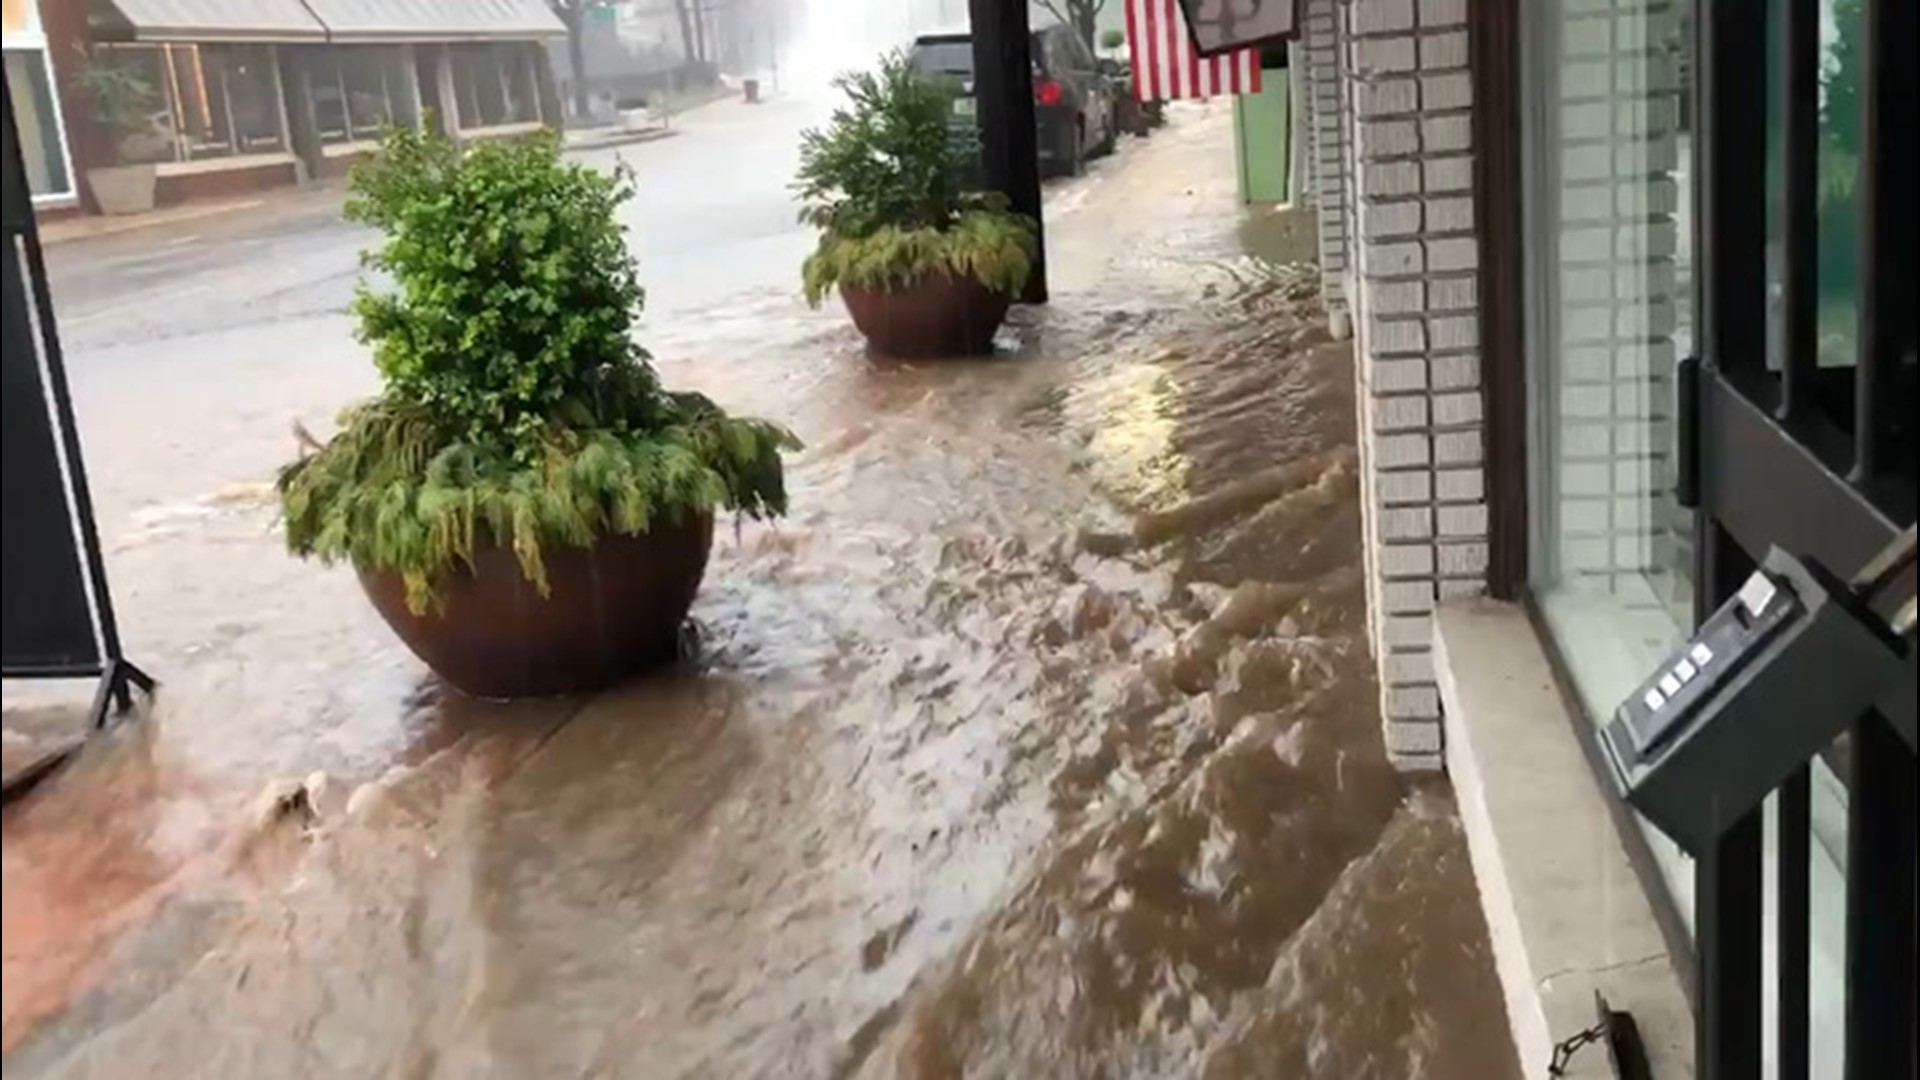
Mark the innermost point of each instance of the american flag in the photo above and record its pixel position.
(1167, 66)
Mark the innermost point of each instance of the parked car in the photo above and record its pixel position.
(1074, 102)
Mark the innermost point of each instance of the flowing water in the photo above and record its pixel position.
(1042, 740)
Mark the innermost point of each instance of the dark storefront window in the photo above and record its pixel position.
(1610, 317)
(357, 90)
(211, 101)
(495, 85)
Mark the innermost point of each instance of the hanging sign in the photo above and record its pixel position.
(1223, 25)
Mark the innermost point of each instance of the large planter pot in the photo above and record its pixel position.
(614, 609)
(123, 189)
(938, 315)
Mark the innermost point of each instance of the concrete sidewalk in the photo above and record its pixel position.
(315, 195)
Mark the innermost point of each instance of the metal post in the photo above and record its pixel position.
(1799, 96)
(1881, 891)
(1009, 143)
(1793, 925)
(1728, 923)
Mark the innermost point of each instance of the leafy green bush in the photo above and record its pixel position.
(516, 408)
(123, 99)
(882, 184)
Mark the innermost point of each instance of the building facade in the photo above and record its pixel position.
(1611, 280)
(247, 94)
(31, 81)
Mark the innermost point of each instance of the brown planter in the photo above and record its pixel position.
(938, 315)
(615, 609)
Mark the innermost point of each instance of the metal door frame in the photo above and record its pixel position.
(1772, 458)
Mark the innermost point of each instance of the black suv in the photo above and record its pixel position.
(1073, 101)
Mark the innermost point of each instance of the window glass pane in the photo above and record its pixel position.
(328, 91)
(481, 84)
(199, 100)
(1610, 317)
(38, 123)
(253, 96)
(946, 57)
(369, 104)
(523, 107)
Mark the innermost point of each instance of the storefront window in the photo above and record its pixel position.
(1609, 318)
(495, 85)
(357, 90)
(215, 101)
(36, 114)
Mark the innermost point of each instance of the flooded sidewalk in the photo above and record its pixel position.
(1041, 740)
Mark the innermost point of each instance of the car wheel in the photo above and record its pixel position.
(1077, 150)
(1109, 135)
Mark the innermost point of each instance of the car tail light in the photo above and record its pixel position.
(1046, 92)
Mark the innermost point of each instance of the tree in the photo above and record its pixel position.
(689, 32)
(1843, 68)
(573, 15)
(1082, 15)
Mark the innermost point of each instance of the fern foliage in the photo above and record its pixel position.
(882, 184)
(995, 249)
(516, 410)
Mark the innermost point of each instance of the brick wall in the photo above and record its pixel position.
(1326, 143)
(1392, 148)
(1408, 91)
(1613, 209)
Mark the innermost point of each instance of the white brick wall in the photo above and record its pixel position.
(1326, 143)
(1617, 289)
(1403, 254)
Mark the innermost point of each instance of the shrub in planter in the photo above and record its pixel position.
(925, 268)
(125, 104)
(524, 503)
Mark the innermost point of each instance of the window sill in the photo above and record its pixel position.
(1566, 913)
(222, 164)
(350, 149)
(499, 131)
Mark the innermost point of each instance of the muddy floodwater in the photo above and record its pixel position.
(1040, 741)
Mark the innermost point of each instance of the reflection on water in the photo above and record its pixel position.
(1042, 741)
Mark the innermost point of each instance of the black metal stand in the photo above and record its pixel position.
(91, 606)
(113, 696)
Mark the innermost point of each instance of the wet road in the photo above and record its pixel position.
(1039, 741)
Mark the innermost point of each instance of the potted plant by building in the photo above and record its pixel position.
(925, 268)
(525, 505)
(124, 104)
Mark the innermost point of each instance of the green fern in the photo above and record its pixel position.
(388, 493)
(516, 411)
(991, 247)
(882, 183)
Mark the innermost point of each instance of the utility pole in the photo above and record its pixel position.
(1009, 142)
